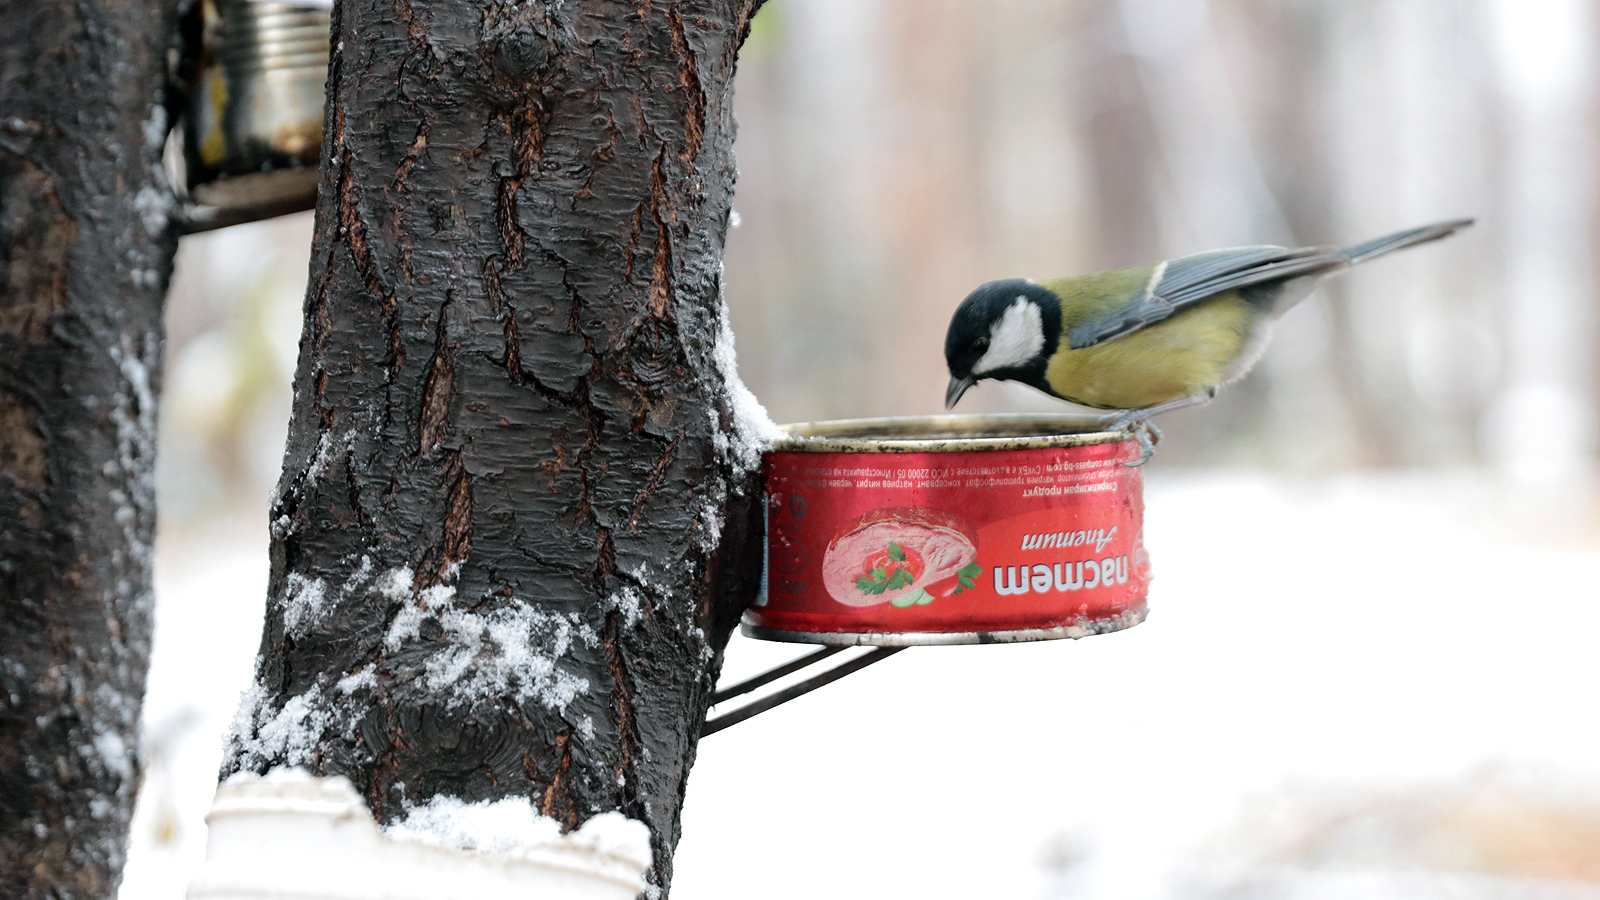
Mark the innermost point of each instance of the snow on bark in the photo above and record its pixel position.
(511, 825)
(752, 430)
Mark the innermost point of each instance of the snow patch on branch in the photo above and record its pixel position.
(327, 445)
(511, 825)
(306, 600)
(288, 736)
(303, 601)
(111, 749)
(365, 677)
(497, 826)
(739, 436)
(358, 577)
(710, 521)
(629, 602)
(515, 648)
(133, 417)
(395, 584)
(753, 431)
(154, 206)
(155, 127)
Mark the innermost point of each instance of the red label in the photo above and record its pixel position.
(993, 540)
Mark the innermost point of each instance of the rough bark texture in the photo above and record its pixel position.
(514, 528)
(85, 254)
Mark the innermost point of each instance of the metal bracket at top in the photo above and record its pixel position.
(712, 726)
(194, 218)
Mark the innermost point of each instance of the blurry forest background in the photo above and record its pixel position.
(896, 153)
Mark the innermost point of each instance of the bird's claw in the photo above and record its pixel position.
(1139, 428)
(1148, 436)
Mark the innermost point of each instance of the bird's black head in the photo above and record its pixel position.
(1004, 329)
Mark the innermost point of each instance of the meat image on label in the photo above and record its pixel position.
(895, 555)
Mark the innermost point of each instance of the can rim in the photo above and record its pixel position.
(1075, 630)
(932, 434)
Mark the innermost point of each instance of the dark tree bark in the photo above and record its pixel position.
(85, 254)
(514, 528)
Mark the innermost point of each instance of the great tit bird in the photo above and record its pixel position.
(1150, 338)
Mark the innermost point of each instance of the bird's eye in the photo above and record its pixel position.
(981, 344)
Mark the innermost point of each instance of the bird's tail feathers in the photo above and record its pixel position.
(1359, 253)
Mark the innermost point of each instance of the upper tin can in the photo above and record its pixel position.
(254, 126)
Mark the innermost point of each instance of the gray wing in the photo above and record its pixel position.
(1189, 279)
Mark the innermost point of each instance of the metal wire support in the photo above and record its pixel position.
(712, 726)
(771, 675)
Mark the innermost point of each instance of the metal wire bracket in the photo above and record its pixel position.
(195, 218)
(712, 726)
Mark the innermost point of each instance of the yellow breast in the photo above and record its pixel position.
(1179, 357)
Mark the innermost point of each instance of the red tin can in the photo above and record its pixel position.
(951, 530)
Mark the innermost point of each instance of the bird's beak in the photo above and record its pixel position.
(958, 386)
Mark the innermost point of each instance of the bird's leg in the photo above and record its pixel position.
(1136, 422)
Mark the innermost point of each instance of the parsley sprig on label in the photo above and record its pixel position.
(880, 579)
(966, 578)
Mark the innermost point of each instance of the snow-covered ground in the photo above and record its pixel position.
(1374, 629)
(210, 594)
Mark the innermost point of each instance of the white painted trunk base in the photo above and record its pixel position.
(291, 836)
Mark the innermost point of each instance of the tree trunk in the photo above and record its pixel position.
(86, 250)
(515, 525)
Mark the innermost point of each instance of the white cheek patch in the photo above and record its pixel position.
(1014, 339)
